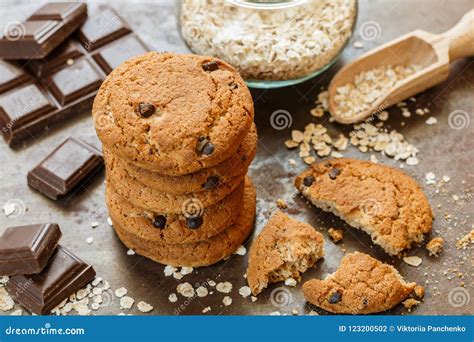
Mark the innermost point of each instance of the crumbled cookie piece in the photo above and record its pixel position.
(382, 201)
(284, 249)
(466, 240)
(360, 285)
(336, 235)
(419, 291)
(435, 246)
(410, 303)
(281, 203)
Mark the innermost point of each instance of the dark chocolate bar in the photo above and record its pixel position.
(66, 81)
(63, 275)
(27, 249)
(71, 164)
(43, 31)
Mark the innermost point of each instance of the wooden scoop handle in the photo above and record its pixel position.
(461, 37)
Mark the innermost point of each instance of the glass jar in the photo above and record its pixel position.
(273, 43)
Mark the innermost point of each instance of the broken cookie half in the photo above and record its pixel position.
(384, 202)
(361, 285)
(284, 249)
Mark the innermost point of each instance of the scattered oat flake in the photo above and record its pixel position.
(18, 312)
(186, 270)
(245, 291)
(275, 313)
(446, 179)
(126, 302)
(144, 307)
(186, 290)
(121, 292)
(241, 250)
(227, 301)
(431, 120)
(177, 275)
(254, 299)
(130, 252)
(413, 260)
(211, 283)
(94, 224)
(224, 287)
(358, 44)
(290, 282)
(412, 161)
(169, 270)
(90, 240)
(6, 302)
(172, 298)
(109, 221)
(202, 291)
(206, 309)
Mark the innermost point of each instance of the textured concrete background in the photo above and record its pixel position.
(443, 150)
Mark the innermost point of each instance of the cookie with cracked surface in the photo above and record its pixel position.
(285, 248)
(205, 179)
(175, 228)
(384, 202)
(172, 114)
(196, 254)
(143, 195)
(360, 285)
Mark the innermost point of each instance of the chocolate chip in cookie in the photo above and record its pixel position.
(210, 66)
(211, 182)
(208, 149)
(159, 221)
(194, 222)
(308, 180)
(334, 172)
(146, 109)
(335, 297)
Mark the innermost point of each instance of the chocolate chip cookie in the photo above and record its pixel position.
(171, 113)
(197, 225)
(361, 285)
(206, 179)
(384, 202)
(284, 249)
(196, 254)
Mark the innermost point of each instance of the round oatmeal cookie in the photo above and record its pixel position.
(206, 179)
(360, 285)
(175, 228)
(202, 253)
(173, 113)
(144, 196)
(382, 201)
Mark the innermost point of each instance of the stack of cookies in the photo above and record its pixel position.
(178, 137)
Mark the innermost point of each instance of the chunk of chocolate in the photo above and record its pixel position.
(146, 109)
(308, 180)
(208, 149)
(335, 298)
(27, 249)
(71, 164)
(210, 66)
(43, 31)
(194, 222)
(159, 221)
(63, 275)
(211, 182)
(334, 172)
(45, 91)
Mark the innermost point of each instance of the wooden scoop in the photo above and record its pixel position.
(433, 52)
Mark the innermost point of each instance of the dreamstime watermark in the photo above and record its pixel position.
(192, 208)
(370, 31)
(281, 297)
(281, 119)
(371, 206)
(14, 208)
(459, 297)
(14, 31)
(459, 119)
(104, 121)
(47, 329)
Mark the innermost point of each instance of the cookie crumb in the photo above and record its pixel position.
(336, 235)
(290, 282)
(435, 246)
(6, 302)
(419, 291)
(464, 241)
(410, 303)
(281, 203)
(173, 298)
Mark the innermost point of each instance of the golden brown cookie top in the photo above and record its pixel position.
(172, 113)
(384, 202)
(284, 249)
(361, 285)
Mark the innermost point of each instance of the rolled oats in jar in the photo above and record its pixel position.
(271, 43)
